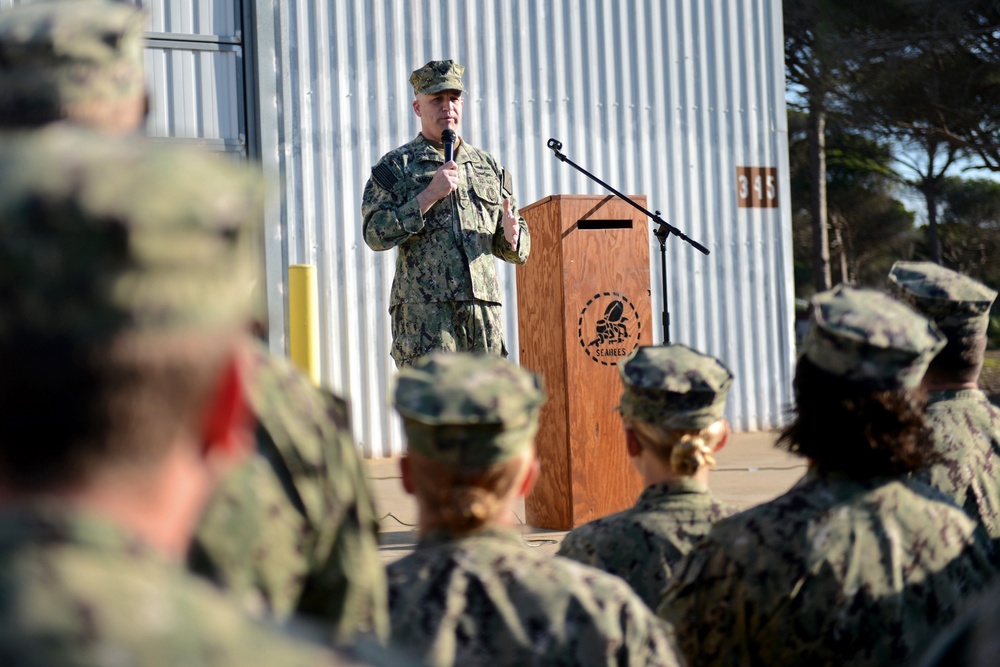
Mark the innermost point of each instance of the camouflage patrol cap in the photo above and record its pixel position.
(100, 235)
(953, 301)
(63, 53)
(868, 337)
(472, 409)
(674, 387)
(437, 75)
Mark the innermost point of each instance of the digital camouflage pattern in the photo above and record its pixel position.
(643, 543)
(450, 326)
(965, 427)
(445, 255)
(485, 599)
(59, 54)
(437, 75)
(294, 529)
(972, 641)
(837, 571)
(674, 386)
(869, 338)
(476, 410)
(77, 591)
(965, 431)
(99, 236)
(956, 303)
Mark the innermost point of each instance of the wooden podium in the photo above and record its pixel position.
(583, 305)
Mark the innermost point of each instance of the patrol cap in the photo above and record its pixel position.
(471, 409)
(100, 235)
(867, 337)
(952, 300)
(437, 75)
(674, 387)
(54, 55)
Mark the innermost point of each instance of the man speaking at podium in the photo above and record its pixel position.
(449, 208)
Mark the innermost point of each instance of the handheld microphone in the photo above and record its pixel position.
(448, 138)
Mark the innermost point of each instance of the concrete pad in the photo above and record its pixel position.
(749, 470)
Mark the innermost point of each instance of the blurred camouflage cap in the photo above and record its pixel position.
(70, 52)
(674, 387)
(952, 300)
(437, 75)
(100, 235)
(868, 337)
(472, 409)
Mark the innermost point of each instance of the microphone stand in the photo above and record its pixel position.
(663, 230)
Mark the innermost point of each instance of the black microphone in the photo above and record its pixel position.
(448, 137)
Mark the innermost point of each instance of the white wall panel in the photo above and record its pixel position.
(195, 71)
(196, 91)
(205, 18)
(660, 97)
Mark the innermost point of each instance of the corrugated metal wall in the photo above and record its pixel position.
(195, 69)
(661, 97)
(195, 72)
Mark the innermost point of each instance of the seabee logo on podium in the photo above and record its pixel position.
(609, 328)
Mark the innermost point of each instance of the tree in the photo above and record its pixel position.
(825, 40)
(810, 57)
(870, 227)
(925, 85)
(970, 227)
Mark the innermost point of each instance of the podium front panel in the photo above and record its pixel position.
(583, 306)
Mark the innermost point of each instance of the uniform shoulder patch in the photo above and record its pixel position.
(384, 176)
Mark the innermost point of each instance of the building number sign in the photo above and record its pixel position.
(757, 187)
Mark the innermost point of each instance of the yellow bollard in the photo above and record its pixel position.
(303, 319)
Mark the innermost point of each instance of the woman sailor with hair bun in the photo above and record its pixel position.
(671, 408)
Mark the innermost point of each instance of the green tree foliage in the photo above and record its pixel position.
(870, 228)
(813, 54)
(920, 75)
(921, 86)
(970, 228)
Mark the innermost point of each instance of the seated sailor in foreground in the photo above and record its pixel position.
(471, 593)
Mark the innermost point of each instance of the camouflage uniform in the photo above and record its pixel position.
(965, 426)
(965, 430)
(482, 598)
(677, 388)
(69, 59)
(972, 641)
(835, 571)
(486, 599)
(294, 529)
(838, 570)
(102, 237)
(445, 294)
(76, 590)
(643, 544)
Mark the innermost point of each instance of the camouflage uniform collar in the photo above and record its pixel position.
(656, 493)
(426, 149)
(951, 394)
(52, 522)
(442, 536)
